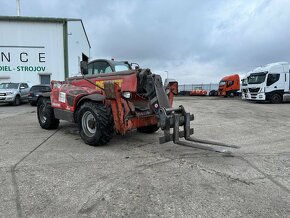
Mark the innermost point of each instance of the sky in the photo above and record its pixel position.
(195, 41)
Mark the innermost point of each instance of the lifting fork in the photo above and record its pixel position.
(176, 117)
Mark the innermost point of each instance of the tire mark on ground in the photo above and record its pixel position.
(14, 179)
(284, 188)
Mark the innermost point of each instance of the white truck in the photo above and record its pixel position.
(269, 83)
(244, 85)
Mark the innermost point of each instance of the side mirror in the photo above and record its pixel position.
(22, 87)
(171, 85)
(84, 67)
(136, 66)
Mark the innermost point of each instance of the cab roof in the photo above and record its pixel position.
(233, 76)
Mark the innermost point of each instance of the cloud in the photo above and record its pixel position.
(195, 41)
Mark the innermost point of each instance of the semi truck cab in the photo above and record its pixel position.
(270, 83)
(244, 86)
(229, 85)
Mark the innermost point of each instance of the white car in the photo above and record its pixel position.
(13, 93)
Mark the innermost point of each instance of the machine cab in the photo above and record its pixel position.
(101, 66)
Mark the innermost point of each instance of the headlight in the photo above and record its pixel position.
(127, 95)
(9, 93)
(56, 85)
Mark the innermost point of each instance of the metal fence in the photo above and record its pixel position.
(189, 87)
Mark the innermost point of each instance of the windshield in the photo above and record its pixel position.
(40, 88)
(121, 67)
(9, 85)
(244, 82)
(257, 78)
(222, 83)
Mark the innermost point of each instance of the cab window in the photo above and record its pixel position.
(272, 78)
(108, 69)
(44, 89)
(122, 67)
(23, 85)
(90, 68)
(230, 83)
(98, 67)
(101, 67)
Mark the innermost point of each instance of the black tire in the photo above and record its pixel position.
(148, 129)
(45, 114)
(96, 123)
(276, 98)
(16, 101)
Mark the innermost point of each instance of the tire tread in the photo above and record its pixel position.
(51, 121)
(105, 123)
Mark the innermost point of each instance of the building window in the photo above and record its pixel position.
(44, 79)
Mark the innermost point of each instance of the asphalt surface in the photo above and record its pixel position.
(54, 174)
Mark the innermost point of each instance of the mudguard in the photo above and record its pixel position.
(92, 97)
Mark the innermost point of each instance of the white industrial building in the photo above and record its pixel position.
(37, 50)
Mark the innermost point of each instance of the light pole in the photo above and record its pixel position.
(166, 73)
(18, 7)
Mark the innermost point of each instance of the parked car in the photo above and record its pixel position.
(213, 93)
(36, 92)
(13, 93)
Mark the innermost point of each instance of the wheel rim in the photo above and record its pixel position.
(276, 98)
(89, 124)
(42, 114)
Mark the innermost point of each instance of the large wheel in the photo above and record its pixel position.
(148, 129)
(96, 123)
(45, 114)
(16, 101)
(276, 98)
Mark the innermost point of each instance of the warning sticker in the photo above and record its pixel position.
(61, 97)
(101, 83)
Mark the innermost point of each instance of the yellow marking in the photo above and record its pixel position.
(101, 83)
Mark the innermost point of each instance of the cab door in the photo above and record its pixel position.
(275, 82)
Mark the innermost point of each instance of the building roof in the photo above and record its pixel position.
(44, 20)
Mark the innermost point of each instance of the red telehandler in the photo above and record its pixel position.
(112, 97)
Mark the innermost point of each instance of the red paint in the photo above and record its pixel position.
(229, 84)
(66, 95)
(200, 92)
